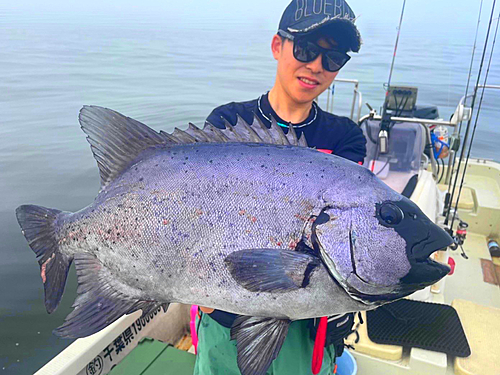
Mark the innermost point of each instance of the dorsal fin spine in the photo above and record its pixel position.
(116, 140)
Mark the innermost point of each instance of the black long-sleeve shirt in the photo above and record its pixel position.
(323, 130)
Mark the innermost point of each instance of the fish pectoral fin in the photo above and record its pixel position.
(271, 270)
(258, 342)
(98, 303)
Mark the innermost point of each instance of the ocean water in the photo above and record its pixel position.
(166, 71)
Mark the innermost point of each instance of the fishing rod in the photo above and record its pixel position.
(469, 123)
(477, 117)
(457, 134)
(385, 123)
(472, 59)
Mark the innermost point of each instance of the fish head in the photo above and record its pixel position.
(380, 251)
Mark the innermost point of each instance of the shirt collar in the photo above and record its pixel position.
(267, 112)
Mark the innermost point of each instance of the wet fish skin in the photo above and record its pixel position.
(166, 237)
(272, 231)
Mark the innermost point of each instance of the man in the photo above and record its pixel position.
(310, 48)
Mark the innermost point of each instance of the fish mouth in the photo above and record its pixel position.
(424, 272)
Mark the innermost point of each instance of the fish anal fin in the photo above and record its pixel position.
(98, 303)
(258, 342)
(271, 270)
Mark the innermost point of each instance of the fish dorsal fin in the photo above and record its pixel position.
(246, 131)
(302, 141)
(168, 138)
(277, 133)
(197, 133)
(262, 130)
(116, 140)
(183, 136)
(292, 136)
(231, 133)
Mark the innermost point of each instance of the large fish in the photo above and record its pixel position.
(244, 219)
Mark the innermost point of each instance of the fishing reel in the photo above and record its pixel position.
(459, 238)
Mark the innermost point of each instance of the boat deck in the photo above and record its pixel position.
(475, 278)
(151, 357)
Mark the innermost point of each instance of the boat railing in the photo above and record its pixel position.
(462, 113)
(356, 99)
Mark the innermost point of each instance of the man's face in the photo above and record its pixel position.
(302, 82)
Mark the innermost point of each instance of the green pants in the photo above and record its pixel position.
(217, 353)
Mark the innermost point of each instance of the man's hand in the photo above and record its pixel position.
(206, 310)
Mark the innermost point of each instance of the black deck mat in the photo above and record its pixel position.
(417, 324)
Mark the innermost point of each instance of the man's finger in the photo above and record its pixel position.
(206, 310)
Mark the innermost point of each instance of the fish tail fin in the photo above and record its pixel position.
(38, 225)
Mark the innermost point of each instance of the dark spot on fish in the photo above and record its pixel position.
(210, 161)
(141, 179)
(109, 231)
(135, 168)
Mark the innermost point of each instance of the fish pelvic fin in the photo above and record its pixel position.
(39, 227)
(98, 302)
(117, 141)
(258, 342)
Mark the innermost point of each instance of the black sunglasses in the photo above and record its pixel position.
(306, 51)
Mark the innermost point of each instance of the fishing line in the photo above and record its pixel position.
(385, 122)
(472, 60)
(465, 100)
(395, 51)
(478, 112)
(470, 118)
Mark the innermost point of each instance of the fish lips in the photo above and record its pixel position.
(423, 238)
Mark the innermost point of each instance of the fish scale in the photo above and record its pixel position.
(244, 219)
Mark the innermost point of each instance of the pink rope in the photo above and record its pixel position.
(192, 325)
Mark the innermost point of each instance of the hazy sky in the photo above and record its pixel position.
(269, 11)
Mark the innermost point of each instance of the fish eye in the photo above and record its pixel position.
(391, 214)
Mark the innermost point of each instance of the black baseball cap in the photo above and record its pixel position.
(333, 17)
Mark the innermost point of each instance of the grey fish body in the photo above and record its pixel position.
(166, 225)
(244, 219)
